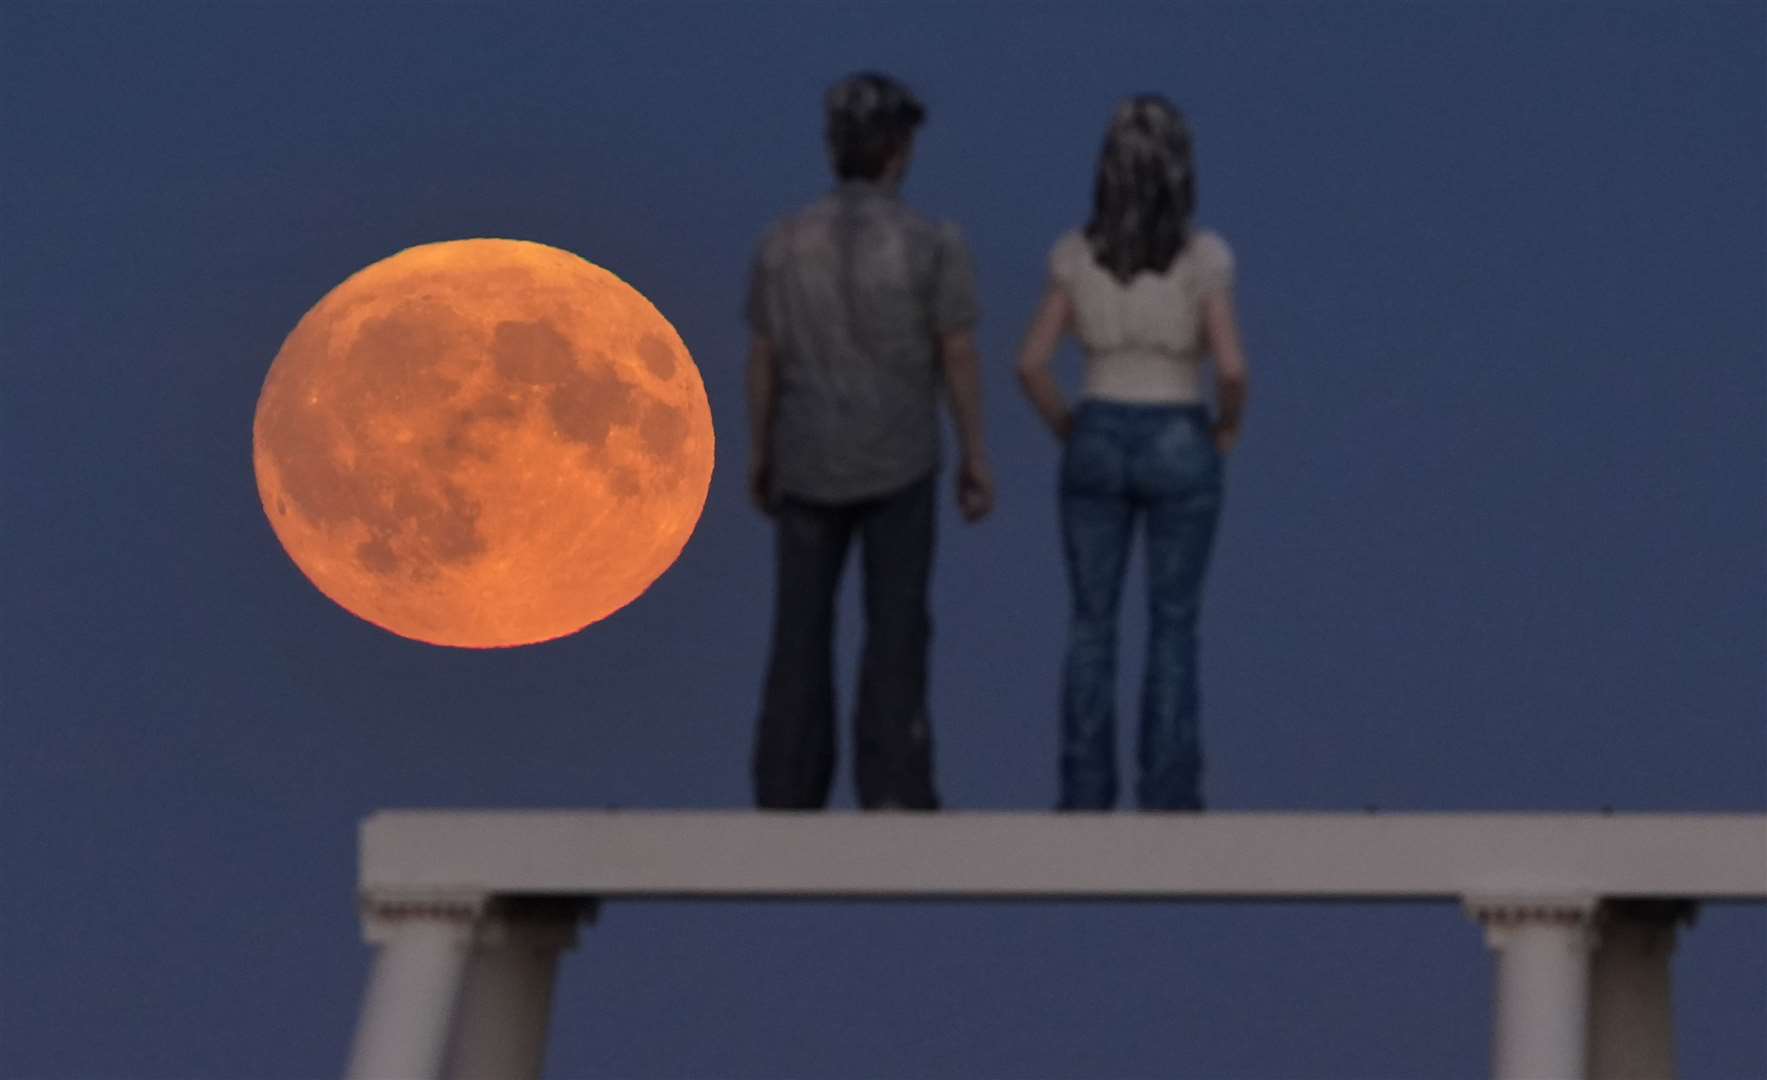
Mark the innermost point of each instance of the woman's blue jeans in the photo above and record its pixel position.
(1123, 464)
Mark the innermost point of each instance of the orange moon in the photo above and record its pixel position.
(483, 443)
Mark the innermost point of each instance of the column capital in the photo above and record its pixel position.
(1500, 913)
(533, 922)
(385, 910)
(483, 918)
(1502, 909)
(1650, 911)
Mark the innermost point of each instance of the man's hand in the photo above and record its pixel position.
(963, 380)
(1225, 437)
(761, 484)
(975, 490)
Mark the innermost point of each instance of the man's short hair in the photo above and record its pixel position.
(870, 118)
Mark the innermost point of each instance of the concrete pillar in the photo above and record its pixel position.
(408, 1009)
(1631, 1018)
(506, 1006)
(1541, 1007)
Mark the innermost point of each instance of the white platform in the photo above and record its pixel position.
(470, 909)
(1299, 856)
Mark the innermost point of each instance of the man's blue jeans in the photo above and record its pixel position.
(1156, 464)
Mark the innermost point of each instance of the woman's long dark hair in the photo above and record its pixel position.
(1146, 189)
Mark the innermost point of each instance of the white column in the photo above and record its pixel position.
(1541, 1007)
(408, 1008)
(505, 1008)
(1631, 1019)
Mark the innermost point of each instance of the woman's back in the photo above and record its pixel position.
(1146, 293)
(1144, 339)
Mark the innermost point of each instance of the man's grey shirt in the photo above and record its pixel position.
(854, 293)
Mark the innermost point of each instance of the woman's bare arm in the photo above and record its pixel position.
(1221, 334)
(1053, 317)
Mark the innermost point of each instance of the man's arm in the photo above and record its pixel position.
(963, 379)
(761, 381)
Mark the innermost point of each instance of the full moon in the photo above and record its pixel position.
(483, 443)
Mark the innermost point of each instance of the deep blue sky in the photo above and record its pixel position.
(1494, 539)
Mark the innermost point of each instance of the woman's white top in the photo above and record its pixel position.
(1144, 340)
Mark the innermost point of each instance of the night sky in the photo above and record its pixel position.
(1494, 538)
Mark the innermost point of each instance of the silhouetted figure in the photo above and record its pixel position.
(859, 309)
(1149, 296)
